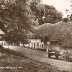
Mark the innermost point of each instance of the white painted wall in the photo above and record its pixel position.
(1, 42)
(36, 43)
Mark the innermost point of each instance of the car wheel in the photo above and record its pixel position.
(57, 56)
(49, 55)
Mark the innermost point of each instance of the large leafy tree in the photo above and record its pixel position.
(15, 19)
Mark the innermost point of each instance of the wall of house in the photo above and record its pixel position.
(36, 43)
(1, 42)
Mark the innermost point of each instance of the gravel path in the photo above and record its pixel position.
(42, 57)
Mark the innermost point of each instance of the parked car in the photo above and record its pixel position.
(53, 52)
(67, 56)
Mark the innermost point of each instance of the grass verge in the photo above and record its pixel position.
(11, 61)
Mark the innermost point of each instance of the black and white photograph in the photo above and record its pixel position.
(35, 35)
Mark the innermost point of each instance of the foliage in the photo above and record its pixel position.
(52, 15)
(15, 19)
(45, 13)
(38, 10)
(65, 19)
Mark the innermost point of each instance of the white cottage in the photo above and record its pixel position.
(36, 43)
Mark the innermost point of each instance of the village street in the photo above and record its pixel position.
(42, 57)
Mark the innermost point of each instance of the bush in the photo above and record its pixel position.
(65, 20)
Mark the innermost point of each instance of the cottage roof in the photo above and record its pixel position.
(61, 32)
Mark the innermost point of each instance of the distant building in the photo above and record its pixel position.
(36, 43)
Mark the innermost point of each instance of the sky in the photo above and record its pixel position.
(60, 5)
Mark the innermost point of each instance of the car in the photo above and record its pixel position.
(67, 55)
(53, 53)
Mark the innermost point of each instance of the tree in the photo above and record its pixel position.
(38, 10)
(52, 15)
(15, 19)
(45, 13)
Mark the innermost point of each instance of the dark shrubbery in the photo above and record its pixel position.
(65, 20)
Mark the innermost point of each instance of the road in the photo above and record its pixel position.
(42, 57)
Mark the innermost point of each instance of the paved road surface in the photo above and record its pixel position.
(42, 57)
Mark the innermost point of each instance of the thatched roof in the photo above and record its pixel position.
(61, 32)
